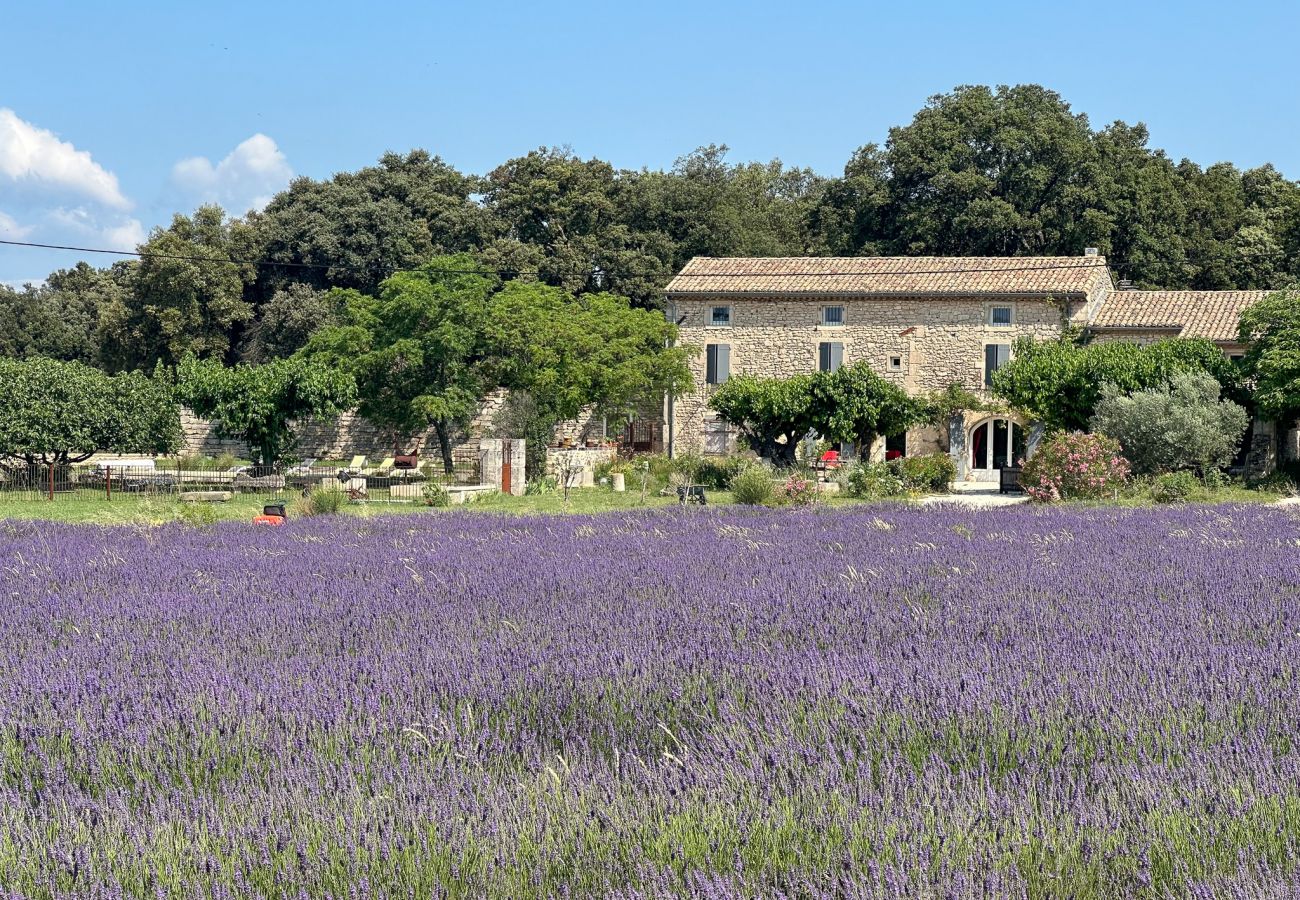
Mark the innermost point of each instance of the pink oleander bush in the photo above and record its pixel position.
(799, 490)
(1074, 466)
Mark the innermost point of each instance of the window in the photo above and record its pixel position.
(995, 356)
(1237, 357)
(830, 356)
(895, 446)
(717, 436)
(1000, 316)
(895, 363)
(832, 315)
(720, 316)
(718, 363)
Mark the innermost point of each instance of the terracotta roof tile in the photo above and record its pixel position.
(893, 276)
(1205, 314)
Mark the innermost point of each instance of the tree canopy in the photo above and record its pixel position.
(852, 403)
(418, 351)
(1059, 382)
(258, 404)
(63, 412)
(1271, 329)
(978, 170)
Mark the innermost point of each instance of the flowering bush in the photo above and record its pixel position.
(1074, 466)
(799, 490)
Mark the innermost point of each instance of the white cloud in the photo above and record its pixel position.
(10, 230)
(82, 225)
(36, 155)
(246, 179)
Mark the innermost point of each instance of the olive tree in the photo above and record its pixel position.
(1180, 425)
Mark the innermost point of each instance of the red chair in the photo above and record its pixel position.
(830, 460)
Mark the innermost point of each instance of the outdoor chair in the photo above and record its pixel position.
(384, 467)
(1009, 480)
(302, 468)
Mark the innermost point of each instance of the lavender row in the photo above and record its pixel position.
(745, 703)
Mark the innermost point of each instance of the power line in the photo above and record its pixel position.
(536, 273)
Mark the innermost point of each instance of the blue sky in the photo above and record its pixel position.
(113, 116)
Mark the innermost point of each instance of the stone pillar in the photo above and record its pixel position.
(489, 461)
(518, 464)
(957, 443)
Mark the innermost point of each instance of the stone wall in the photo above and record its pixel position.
(351, 435)
(934, 341)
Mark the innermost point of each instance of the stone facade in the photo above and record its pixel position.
(920, 343)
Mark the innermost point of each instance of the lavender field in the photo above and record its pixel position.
(868, 703)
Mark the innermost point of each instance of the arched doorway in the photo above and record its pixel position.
(994, 443)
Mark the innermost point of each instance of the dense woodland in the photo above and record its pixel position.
(1006, 171)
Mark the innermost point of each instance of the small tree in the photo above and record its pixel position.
(256, 404)
(62, 412)
(855, 404)
(1179, 425)
(417, 350)
(570, 352)
(771, 414)
(1059, 382)
(1271, 328)
(851, 404)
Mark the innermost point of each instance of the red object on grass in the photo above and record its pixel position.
(268, 520)
(831, 459)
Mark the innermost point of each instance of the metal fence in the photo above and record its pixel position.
(118, 481)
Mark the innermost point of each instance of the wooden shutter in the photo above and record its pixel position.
(718, 363)
(830, 356)
(995, 355)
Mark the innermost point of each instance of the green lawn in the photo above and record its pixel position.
(94, 509)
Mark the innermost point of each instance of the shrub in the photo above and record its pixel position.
(320, 501)
(717, 473)
(197, 515)
(434, 494)
(873, 481)
(800, 490)
(933, 472)
(753, 486)
(1181, 425)
(545, 484)
(1174, 487)
(1074, 466)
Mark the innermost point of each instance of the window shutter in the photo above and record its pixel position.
(718, 363)
(995, 355)
(830, 356)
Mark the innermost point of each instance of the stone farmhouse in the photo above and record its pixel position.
(923, 323)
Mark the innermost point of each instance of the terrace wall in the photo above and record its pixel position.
(351, 434)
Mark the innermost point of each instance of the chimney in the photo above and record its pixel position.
(1089, 251)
